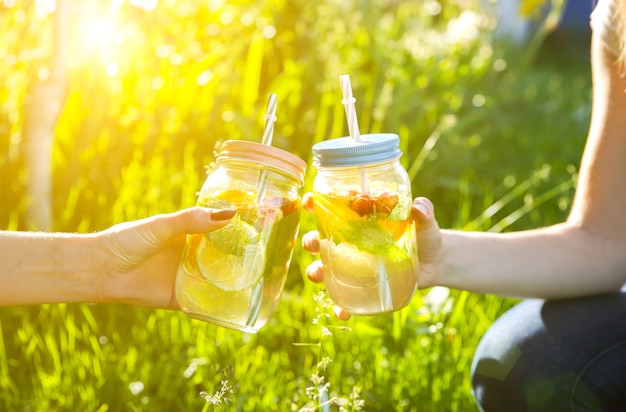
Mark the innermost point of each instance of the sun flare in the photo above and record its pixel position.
(98, 36)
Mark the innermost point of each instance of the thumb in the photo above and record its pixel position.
(137, 239)
(192, 220)
(427, 230)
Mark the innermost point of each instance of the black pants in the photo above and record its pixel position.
(565, 355)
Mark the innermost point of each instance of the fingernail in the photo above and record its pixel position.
(223, 214)
(340, 314)
(422, 208)
(312, 243)
(314, 274)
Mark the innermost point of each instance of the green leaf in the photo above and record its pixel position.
(370, 236)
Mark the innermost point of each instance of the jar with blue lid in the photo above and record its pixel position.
(362, 198)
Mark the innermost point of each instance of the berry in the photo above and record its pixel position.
(363, 204)
(385, 203)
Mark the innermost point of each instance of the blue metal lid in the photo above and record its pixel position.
(345, 152)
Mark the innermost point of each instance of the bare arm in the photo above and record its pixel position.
(586, 254)
(45, 267)
(133, 262)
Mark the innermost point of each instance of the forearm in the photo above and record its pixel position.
(40, 268)
(553, 262)
(586, 255)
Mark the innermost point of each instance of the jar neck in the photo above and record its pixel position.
(246, 167)
(380, 166)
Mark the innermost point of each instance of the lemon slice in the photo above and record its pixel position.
(348, 263)
(233, 257)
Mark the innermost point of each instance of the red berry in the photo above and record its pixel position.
(386, 202)
(362, 204)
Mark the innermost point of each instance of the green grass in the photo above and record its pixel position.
(495, 149)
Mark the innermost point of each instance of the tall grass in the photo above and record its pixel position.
(492, 138)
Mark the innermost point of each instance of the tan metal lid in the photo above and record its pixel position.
(261, 153)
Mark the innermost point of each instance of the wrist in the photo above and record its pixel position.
(78, 275)
(443, 267)
(94, 262)
(39, 268)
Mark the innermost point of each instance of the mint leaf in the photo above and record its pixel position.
(279, 245)
(371, 237)
(233, 238)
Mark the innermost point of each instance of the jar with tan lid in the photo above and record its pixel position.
(234, 276)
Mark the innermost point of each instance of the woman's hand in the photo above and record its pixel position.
(138, 260)
(429, 245)
(429, 242)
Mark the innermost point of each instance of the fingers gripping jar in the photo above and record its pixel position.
(234, 276)
(362, 198)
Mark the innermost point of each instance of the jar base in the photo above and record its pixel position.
(361, 311)
(221, 322)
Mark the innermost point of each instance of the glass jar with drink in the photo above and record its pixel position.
(362, 198)
(234, 276)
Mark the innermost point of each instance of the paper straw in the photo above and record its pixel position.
(254, 303)
(386, 301)
(268, 133)
(353, 123)
(348, 103)
(270, 119)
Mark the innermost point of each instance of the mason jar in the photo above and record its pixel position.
(234, 276)
(362, 203)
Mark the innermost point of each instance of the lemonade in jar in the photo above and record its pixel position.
(234, 276)
(362, 198)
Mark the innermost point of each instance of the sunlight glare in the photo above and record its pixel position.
(204, 78)
(45, 6)
(464, 28)
(98, 31)
(98, 34)
(112, 69)
(146, 5)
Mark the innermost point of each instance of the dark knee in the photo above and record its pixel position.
(494, 385)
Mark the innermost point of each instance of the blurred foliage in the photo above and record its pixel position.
(491, 132)
(161, 88)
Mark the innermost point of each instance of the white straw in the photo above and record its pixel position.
(348, 103)
(268, 133)
(256, 294)
(353, 123)
(386, 300)
(270, 118)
